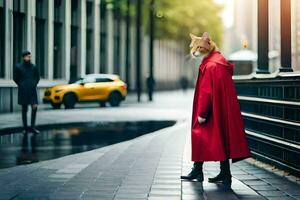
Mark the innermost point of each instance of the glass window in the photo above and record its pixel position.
(58, 10)
(40, 37)
(58, 68)
(117, 39)
(103, 40)
(74, 40)
(79, 81)
(103, 80)
(40, 9)
(74, 12)
(18, 30)
(89, 38)
(89, 79)
(2, 47)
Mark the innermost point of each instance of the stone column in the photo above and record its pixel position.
(50, 38)
(8, 40)
(96, 36)
(30, 28)
(285, 29)
(263, 37)
(66, 38)
(82, 38)
(110, 41)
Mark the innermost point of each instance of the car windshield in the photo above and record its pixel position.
(79, 81)
(88, 79)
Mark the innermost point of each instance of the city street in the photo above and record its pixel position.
(146, 167)
(130, 99)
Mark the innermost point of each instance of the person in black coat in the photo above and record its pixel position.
(26, 76)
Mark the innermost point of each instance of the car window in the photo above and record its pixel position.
(89, 80)
(103, 80)
(79, 81)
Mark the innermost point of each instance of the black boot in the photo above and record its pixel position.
(24, 118)
(224, 176)
(33, 116)
(196, 172)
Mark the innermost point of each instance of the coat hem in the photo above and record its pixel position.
(234, 160)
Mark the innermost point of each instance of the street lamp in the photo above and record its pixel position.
(150, 80)
(138, 48)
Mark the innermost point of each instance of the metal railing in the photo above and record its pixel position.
(271, 111)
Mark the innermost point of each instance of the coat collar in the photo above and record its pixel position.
(210, 56)
(206, 59)
(218, 58)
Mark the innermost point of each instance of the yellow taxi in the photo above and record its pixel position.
(93, 87)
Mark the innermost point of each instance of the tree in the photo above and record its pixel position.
(177, 18)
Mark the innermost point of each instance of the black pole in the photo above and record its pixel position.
(117, 37)
(127, 70)
(285, 29)
(138, 48)
(150, 80)
(263, 37)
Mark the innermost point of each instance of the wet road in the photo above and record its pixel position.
(54, 142)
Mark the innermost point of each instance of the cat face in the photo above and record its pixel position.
(201, 45)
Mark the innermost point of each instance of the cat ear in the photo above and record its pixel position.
(192, 36)
(206, 35)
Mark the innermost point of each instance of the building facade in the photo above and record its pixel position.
(71, 38)
(245, 29)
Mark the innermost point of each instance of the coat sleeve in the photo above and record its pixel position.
(16, 75)
(37, 75)
(205, 97)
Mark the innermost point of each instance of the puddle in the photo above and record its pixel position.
(61, 140)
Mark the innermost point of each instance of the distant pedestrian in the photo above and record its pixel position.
(184, 83)
(26, 76)
(150, 87)
(218, 132)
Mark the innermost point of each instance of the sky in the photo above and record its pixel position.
(227, 15)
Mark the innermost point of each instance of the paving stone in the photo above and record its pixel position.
(296, 197)
(163, 186)
(263, 188)
(192, 197)
(281, 198)
(131, 195)
(255, 182)
(272, 193)
(245, 177)
(164, 198)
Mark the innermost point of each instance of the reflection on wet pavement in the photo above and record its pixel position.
(54, 142)
(205, 190)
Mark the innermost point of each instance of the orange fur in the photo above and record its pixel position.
(202, 45)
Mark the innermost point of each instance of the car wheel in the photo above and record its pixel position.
(55, 105)
(102, 104)
(69, 100)
(115, 99)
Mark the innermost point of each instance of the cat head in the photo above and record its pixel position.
(202, 45)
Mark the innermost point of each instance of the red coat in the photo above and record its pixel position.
(222, 135)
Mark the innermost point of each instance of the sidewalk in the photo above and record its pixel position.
(147, 167)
